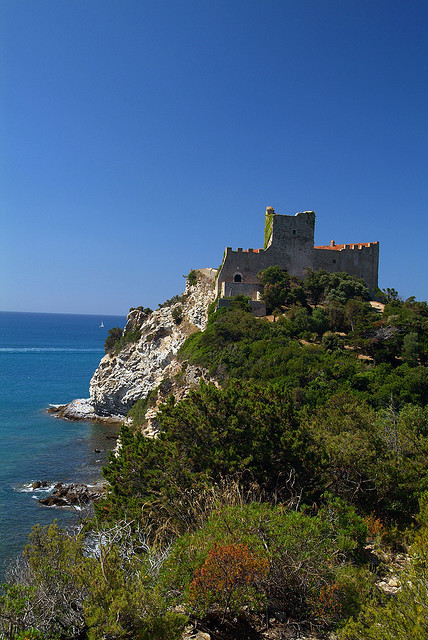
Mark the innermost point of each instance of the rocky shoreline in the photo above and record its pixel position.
(76, 495)
(70, 495)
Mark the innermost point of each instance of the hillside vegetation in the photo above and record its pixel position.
(292, 495)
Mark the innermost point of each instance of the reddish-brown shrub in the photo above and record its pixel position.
(229, 579)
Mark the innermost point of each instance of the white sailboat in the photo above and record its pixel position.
(102, 325)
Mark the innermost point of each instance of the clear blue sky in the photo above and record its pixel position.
(139, 138)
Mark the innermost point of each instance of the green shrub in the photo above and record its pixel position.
(50, 600)
(331, 341)
(401, 617)
(172, 301)
(146, 310)
(212, 307)
(124, 603)
(118, 339)
(137, 412)
(192, 277)
(177, 314)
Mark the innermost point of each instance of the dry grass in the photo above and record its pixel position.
(192, 508)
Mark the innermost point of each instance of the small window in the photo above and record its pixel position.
(334, 261)
(294, 232)
(237, 278)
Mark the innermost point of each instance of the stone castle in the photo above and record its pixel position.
(289, 243)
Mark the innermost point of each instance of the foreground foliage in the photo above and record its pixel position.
(276, 492)
(62, 590)
(406, 615)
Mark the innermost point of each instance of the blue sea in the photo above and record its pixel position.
(46, 359)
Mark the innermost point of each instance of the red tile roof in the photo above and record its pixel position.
(350, 245)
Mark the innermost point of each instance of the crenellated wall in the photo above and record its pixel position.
(241, 264)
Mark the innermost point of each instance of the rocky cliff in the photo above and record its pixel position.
(150, 362)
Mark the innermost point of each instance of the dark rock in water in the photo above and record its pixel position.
(39, 484)
(54, 408)
(53, 501)
(97, 450)
(67, 495)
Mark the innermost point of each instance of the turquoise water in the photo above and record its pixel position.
(45, 359)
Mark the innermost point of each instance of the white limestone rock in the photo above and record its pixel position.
(120, 380)
(81, 409)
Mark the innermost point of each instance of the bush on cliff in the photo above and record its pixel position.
(117, 339)
(192, 277)
(113, 337)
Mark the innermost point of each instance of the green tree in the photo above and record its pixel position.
(331, 341)
(280, 288)
(342, 287)
(391, 294)
(411, 348)
(335, 312)
(316, 283)
(319, 322)
(359, 315)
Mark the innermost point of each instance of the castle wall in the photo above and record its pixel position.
(245, 264)
(360, 260)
